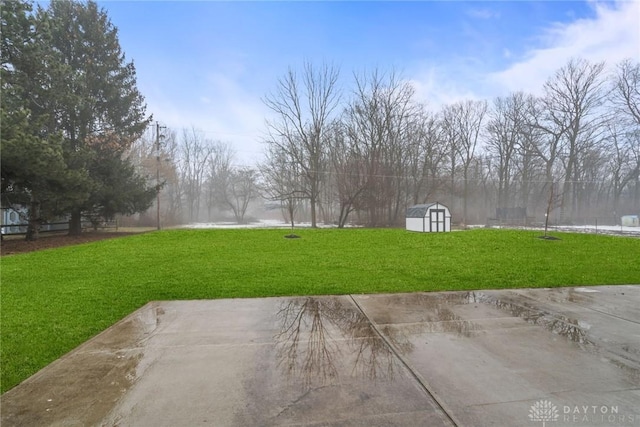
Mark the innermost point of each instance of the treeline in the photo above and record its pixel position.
(197, 177)
(367, 154)
(70, 112)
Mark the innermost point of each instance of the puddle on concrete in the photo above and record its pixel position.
(425, 313)
(307, 353)
(570, 328)
(329, 366)
(436, 312)
(318, 335)
(132, 331)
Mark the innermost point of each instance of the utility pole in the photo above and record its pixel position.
(158, 127)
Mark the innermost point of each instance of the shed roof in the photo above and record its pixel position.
(419, 211)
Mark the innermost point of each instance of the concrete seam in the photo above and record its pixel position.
(423, 383)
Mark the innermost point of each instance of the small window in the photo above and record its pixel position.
(13, 217)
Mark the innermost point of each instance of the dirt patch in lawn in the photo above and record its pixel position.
(17, 245)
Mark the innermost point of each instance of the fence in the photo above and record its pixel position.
(18, 229)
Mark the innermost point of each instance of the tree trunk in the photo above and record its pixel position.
(291, 209)
(466, 194)
(636, 194)
(313, 212)
(75, 223)
(342, 218)
(33, 228)
(546, 215)
(314, 194)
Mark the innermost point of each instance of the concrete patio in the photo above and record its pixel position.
(527, 357)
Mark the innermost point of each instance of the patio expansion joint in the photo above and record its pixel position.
(414, 373)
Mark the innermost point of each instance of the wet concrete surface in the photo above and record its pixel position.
(526, 357)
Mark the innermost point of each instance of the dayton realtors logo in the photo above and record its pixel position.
(545, 411)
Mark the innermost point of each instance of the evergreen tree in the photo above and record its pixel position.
(70, 109)
(100, 110)
(34, 173)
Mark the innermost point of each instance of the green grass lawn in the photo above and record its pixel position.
(54, 300)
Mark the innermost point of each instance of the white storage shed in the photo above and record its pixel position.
(630, 221)
(429, 218)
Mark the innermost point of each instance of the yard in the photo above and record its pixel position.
(55, 299)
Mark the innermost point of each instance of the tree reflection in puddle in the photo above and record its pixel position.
(427, 313)
(304, 346)
(572, 329)
(319, 335)
(438, 315)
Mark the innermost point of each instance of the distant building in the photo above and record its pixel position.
(11, 220)
(630, 221)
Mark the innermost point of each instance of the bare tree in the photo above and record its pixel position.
(553, 201)
(195, 151)
(463, 122)
(529, 167)
(377, 121)
(515, 149)
(626, 89)
(425, 155)
(282, 181)
(219, 171)
(625, 98)
(450, 141)
(171, 193)
(623, 154)
(303, 107)
(237, 189)
(573, 96)
(348, 172)
(505, 128)
(162, 166)
(545, 138)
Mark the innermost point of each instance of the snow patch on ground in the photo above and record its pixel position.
(263, 223)
(260, 224)
(618, 230)
(271, 223)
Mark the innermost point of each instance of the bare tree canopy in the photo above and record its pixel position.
(573, 98)
(627, 89)
(303, 106)
(365, 155)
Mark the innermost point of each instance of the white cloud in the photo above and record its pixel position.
(436, 88)
(611, 36)
(483, 13)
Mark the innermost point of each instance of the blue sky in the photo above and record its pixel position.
(206, 64)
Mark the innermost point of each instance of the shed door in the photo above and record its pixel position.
(437, 220)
